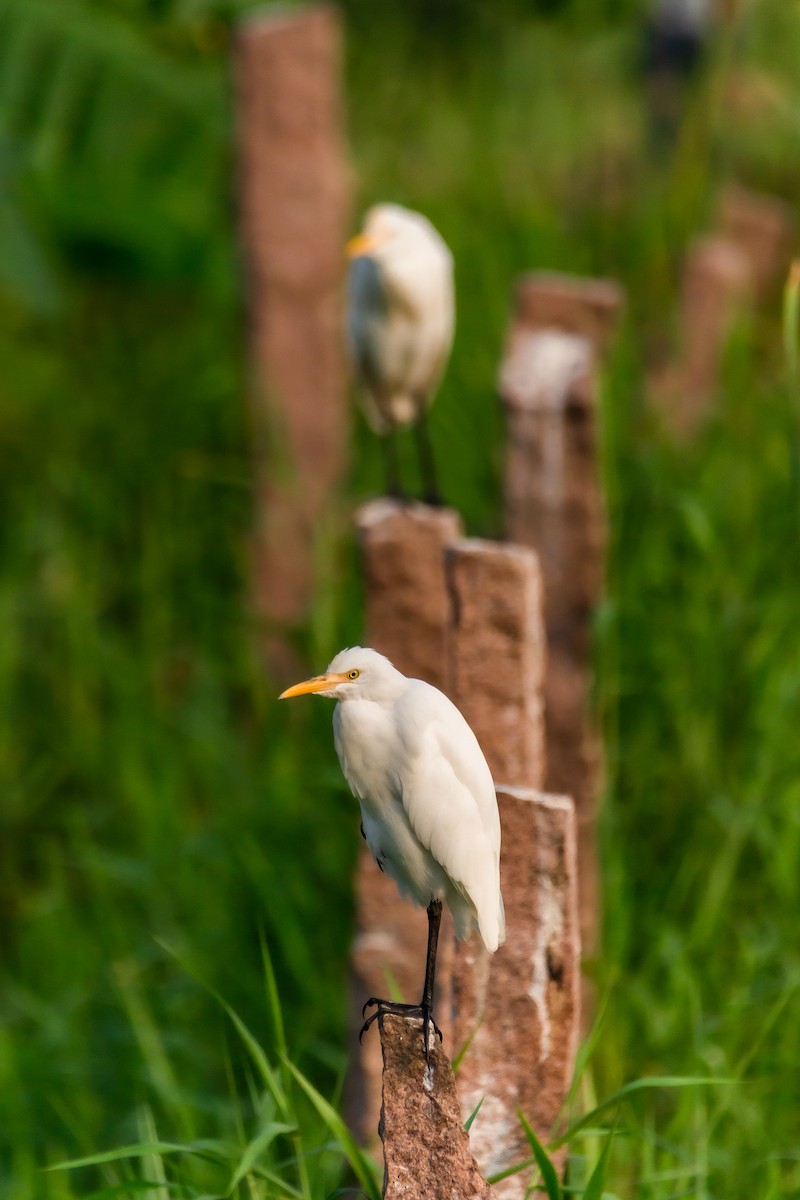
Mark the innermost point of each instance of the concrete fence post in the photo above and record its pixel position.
(717, 287)
(293, 189)
(521, 1008)
(518, 1010)
(763, 227)
(407, 614)
(497, 654)
(589, 308)
(406, 600)
(553, 502)
(726, 274)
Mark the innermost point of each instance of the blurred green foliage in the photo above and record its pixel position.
(155, 800)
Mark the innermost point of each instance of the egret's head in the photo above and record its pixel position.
(391, 231)
(357, 671)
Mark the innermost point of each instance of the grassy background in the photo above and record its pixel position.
(154, 803)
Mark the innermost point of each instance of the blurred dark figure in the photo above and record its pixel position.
(676, 36)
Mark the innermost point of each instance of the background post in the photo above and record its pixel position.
(554, 503)
(294, 201)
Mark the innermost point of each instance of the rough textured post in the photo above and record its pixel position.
(407, 608)
(426, 1149)
(717, 286)
(521, 1004)
(497, 654)
(294, 205)
(717, 282)
(554, 503)
(407, 613)
(587, 307)
(763, 228)
(522, 1007)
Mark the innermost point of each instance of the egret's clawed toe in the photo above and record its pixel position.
(395, 1008)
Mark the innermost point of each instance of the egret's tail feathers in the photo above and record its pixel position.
(388, 411)
(493, 926)
(502, 923)
(487, 917)
(402, 408)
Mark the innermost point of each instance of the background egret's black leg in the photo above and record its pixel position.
(427, 463)
(391, 460)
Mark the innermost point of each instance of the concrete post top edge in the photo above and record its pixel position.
(270, 18)
(486, 547)
(547, 800)
(373, 512)
(610, 289)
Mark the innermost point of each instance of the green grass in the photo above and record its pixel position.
(155, 795)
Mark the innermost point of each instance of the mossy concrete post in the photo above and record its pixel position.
(294, 206)
(554, 503)
(407, 616)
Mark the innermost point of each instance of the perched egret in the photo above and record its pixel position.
(428, 805)
(400, 319)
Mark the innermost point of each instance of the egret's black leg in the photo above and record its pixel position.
(391, 460)
(427, 462)
(434, 921)
(425, 1008)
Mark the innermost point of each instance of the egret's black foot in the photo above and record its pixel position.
(415, 1011)
(433, 499)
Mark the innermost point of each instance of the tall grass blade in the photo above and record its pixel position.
(363, 1168)
(791, 347)
(473, 1114)
(594, 1185)
(272, 995)
(256, 1148)
(136, 1150)
(269, 1076)
(152, 1163)
(132, 1187)
(651, 1083)
(543, 1160)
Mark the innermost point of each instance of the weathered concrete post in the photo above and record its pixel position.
(553, 502)
(725, 274)
(426, 1148)
(406, 601)
(521, 1008)
(717, 287)
(294, 205)
(496, 647)
(763, 228)
(518, 1009)
(407, 613)
(589, 308)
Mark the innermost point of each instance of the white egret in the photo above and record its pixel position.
(428, 804)
(400, 320)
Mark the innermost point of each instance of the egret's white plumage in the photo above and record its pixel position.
(426, 793)
(400, 313)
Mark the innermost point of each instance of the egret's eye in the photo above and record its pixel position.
(353, 674)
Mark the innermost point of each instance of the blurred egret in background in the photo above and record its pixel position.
(428, 804)
(400, 321)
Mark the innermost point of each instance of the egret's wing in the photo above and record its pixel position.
(382, 340)
(449, 798)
